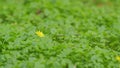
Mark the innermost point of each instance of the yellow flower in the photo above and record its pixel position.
(40, 34)
(118, 58)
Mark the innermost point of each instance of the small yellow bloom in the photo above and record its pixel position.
(40, 34)
(118, 58)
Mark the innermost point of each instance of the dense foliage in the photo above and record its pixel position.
(77, 33)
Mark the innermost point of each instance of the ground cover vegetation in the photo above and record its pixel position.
(59, 33)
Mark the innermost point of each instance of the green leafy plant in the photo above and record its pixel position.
(59, 34)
